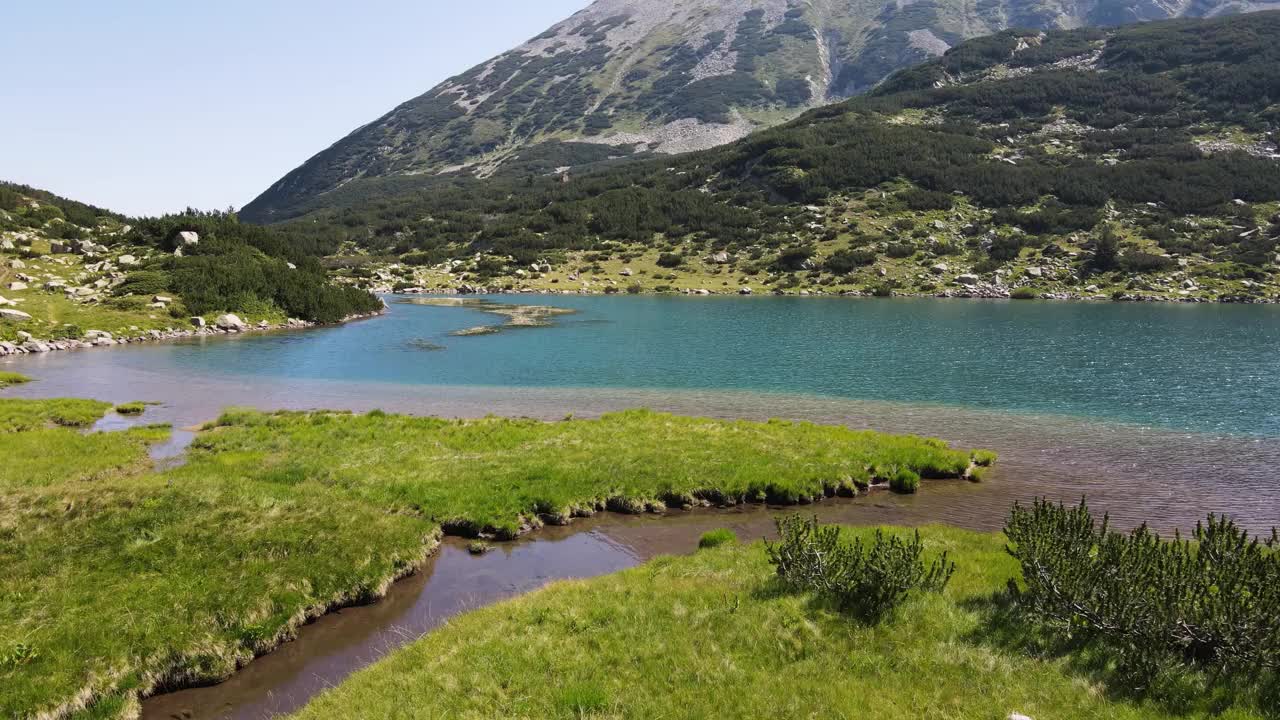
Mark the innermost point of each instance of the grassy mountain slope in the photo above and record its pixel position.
(67, 269)
(624, 76)
(1139, 161)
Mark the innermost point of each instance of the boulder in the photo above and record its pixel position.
(626, 272)
(967, 279)
(16, 285)
(7, 244)
(17, 265)
(720, 258)
(24, 336)
(59, 248)
(198, 322)
(187, 238)
(229, 322)
(127, 260)
(35, 346)
(744, 290)
(96, 334)
(161, 299)
(1035, 272)
(5, 301)
(55, 285)
(13, 315)
(939, 269)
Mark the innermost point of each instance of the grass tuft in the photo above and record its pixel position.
(8, 379)
(131, 408)
(716, 538)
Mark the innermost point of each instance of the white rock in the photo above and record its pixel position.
(626, 272)
(17, 286)
(198, 322)
(720, 258)
(939, 269)
(1035, 272)
(127, 260)
(13, 315)
(967, 279)
(744, 290)
(188, 238)
(17, 265)
(161, 299)
(229, 322)
(1018, 716)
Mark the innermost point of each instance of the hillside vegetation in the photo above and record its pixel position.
(634, 76)
(69, 271)
(1138, 162)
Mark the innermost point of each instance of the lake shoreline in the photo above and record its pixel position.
(956, 294)
(37, 346)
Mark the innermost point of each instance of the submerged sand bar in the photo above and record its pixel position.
(517, 316)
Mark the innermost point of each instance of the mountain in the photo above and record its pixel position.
(672, 76)
(1141, 160)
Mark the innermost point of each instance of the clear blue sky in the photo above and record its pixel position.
(148, 106)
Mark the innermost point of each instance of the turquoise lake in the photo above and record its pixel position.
(1190, 367)
(1180, 403)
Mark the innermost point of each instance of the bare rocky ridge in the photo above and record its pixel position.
(673, 76)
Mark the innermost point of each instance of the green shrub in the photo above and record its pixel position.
(1025, 293)
(843, 262)
(1208, 604)
(716, 538)
(144, 282)
(867, 582)
(131, 408)
(670, 260)
(66, 332)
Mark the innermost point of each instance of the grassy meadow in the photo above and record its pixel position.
(712, 635)
(120, 580)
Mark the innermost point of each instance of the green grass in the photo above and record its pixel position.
(118, 578)
(20, 415)
(131, 408)
(711, 635)
(716, 538)
(8, 379)
(496, 475)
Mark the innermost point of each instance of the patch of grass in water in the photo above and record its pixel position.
(716, 538)
(19, 415)
(131, 408)
(8, 379)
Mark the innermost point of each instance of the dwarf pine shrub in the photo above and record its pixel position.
(868, 582)
(1209, 603)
